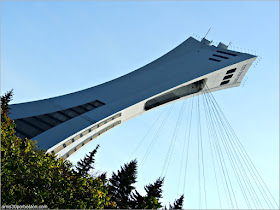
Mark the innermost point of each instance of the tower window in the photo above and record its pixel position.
(219, 56)
(226, 53)
(231, 71)
(228, 77)
(224, 82)
(213, 59)
(175, 94)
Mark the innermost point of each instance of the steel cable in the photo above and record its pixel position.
(251, 168)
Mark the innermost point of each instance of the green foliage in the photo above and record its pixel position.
(144, 202)
(121, 184)
(126, 196)
(151, 200)
(154, 190)
(5, 100)
(178, 203)
(84, 166)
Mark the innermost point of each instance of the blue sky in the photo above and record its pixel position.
(57, 47)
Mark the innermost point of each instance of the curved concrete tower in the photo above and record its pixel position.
(64, 124)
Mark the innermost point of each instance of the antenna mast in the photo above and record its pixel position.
(206, 33)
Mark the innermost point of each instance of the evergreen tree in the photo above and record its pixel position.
(154, 190)
(103, 177)
(151, 200)
(121, 184)
(137, 200)
(178, 203)
(84, 166)
(5, 100)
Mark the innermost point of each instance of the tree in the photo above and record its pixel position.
(126, 196)
(5, 100)
(84, 166)
(154, 190)
(178, 203)
(151, 200)
(121, 184)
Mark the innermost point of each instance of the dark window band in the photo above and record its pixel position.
(228, 77)
(175, 94)
(219, 56)
(224, 82)
(213, 59)
(30, 127)
(231, 71)
(226, 53)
